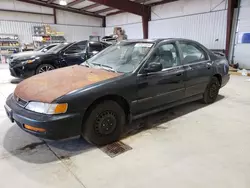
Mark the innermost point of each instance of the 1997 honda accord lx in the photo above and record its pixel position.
(126, 81)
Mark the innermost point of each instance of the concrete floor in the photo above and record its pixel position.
(192, 145)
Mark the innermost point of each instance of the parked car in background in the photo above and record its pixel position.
(126, 81)
(109, 39)
(41, 49)
(61, 55)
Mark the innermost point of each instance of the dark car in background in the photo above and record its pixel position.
(41, 49)
(61, 55)
(126, 81)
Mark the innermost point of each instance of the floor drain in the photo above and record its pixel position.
(115, 149)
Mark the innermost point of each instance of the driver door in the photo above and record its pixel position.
(156, 89)
(94, 48)
(75, 54)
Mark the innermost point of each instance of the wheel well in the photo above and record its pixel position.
(120, 100)
(218, 76)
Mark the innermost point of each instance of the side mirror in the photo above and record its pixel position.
(153, 67)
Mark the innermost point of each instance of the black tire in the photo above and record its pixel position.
(212, 91)
(44, 68)
(104, 123)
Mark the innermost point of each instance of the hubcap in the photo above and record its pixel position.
(105, 123)
(45, 69)
(213, 91)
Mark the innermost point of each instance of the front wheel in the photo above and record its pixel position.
(212, 91)
(104, 124)
(44, 68)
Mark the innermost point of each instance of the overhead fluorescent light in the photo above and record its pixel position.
(63, 2)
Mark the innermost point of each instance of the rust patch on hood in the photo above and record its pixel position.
(48, 86)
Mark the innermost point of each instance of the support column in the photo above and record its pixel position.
(230, 12)
(145, 19)
(145, 27)
(54, 13)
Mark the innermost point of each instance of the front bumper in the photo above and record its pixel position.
(22, 71)
(225, 80)
(56, 126)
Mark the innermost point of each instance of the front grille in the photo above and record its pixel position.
(12, 63)
(20, 101)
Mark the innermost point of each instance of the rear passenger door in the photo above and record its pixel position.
(197, 66)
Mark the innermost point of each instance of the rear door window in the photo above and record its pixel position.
(76, 48)
(192, 53)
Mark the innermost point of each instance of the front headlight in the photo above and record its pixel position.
(46, 108)
(29, 61)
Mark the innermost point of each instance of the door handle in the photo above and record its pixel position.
(179, 74)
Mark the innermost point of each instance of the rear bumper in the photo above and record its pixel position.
(56, 126)
(225, 80)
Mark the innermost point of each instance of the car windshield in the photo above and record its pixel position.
(57, 48)
(40, 48)
(123, 57)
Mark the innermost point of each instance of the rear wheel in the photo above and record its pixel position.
(104, 123)
(44, 68)
(212, 91)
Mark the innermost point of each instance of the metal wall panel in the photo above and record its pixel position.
(242, 50)
(69, 18)
(22, 29)
(72, 33)
(206, 28)
(186, 7)
(122, 19)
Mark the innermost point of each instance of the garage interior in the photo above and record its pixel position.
(192, 145)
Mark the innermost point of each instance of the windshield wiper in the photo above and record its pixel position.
(105, 67)
(86, 64)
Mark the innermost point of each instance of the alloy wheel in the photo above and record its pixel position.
(45, 68)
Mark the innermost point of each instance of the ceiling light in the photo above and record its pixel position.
(63, 2)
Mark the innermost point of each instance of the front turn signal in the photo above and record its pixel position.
(61, 108)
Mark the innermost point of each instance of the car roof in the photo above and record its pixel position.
(156, 40)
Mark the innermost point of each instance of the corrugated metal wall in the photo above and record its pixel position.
(72, 33)
(242, 50)
(129, 22)
(206, 28)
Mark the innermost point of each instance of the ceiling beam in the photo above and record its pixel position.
(126, 5)
(60, 7)
(114, 13)
(119, 12)
(50, 1)
(26, 12)
(161, 2)
(104, 10)
(142, 1)
(91, 6)
(75, 2)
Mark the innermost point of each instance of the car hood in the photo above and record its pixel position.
(27, 56)
(23, 54)
(48, 86)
